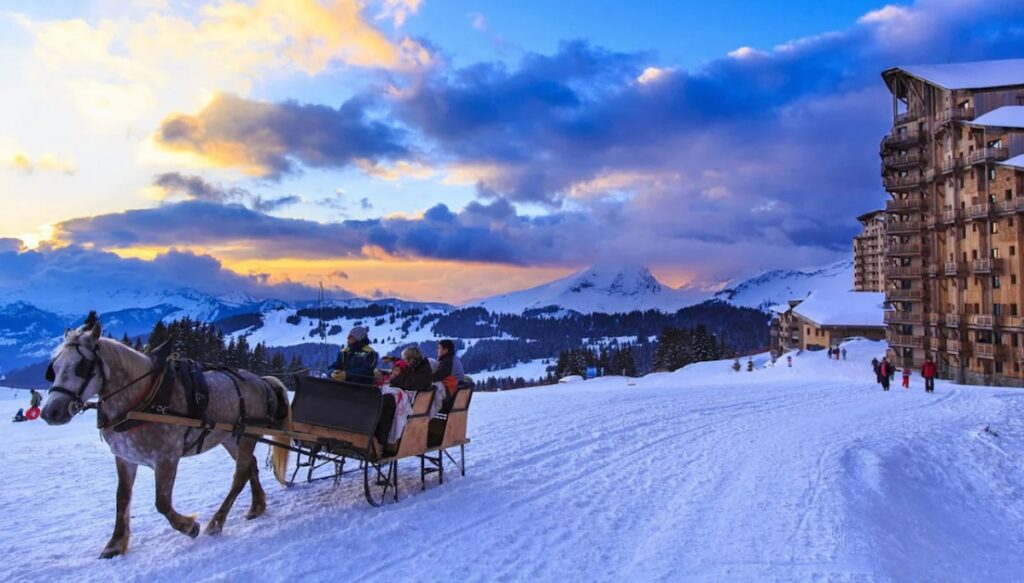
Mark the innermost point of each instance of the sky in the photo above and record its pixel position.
(450, 150)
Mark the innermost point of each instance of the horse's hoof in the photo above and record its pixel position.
(255, 513)
(110, 553)
(213, 528)
(194, 531)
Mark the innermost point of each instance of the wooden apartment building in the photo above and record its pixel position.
(869, 253)
(953, 164)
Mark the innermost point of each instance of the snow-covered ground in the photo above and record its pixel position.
(530, 370)
(802, 473)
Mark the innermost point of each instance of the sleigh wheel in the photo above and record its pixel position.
(379, 482)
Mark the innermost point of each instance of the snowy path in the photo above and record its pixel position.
(809, 473)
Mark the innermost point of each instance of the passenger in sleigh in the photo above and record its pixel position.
(448, 372)
(400, 392)
(357, 362)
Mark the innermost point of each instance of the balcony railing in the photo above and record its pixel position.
(932, 270)
(904, 226)
(981, 320)
(1011, 322)
(986, 265)
(913, 203)
(989, 351)
(903, 271)
(902, 160)
(951, 164)
(961, 347)
(905, 340)
(978, 211)
(898, 317)
(903, 249)
(934, 319)
(956, 114)
(1009, 206)
(902, 182)
(952, 268)
(953, 320)
(983, 155)
(896, 139)
(907, 116)
(904, 295)
(948, 216)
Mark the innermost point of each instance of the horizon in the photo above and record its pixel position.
(446, 152)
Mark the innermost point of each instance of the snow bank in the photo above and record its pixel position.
(807, 472)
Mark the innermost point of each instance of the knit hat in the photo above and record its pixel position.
(358, 332)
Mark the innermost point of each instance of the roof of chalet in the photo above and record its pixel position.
(843, 308)
(870, 215)
(971, 75)
(1008, 116)
(1016, 162)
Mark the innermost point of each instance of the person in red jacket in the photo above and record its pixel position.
(906, 377)
(928, 372)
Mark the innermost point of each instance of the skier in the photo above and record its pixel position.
(906, 377)
(928, 372)
(884, 373)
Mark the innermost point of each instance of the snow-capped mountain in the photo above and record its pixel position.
(779, 286)
(607, 288)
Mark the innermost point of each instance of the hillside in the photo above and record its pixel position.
(803, 473)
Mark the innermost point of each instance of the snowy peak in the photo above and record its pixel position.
(609, 288)
(780, 286)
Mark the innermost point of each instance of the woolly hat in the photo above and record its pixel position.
(358, 332)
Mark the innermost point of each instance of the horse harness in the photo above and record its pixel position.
(157, 399)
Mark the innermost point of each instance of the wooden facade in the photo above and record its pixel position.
(869, 253)
(954, 235)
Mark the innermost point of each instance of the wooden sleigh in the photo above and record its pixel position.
(333, 425)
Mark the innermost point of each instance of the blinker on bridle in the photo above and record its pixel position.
(84, 370)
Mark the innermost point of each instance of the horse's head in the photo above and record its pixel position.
(76, 371)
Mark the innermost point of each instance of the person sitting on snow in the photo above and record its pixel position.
(357, 361)
(19, 416)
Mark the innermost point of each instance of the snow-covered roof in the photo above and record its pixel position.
(1016, 162)
(1010, 116)
(843, 308)
(972, 75)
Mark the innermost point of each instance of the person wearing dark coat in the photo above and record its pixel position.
(357, 361)
(19, 416)
(928, 371)
(874, 367)
(416, 374)
(885, 373)
(449, 368)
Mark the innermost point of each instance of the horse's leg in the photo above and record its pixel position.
(243, 461)
(118, 544)
(259, 497)
(165, 472)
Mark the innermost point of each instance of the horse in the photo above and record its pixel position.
(86, 365)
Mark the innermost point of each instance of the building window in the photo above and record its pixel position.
(991, 173)
(1013, 311)
(999, 366)
(995, 227)
(997, 309)
(995, 282)
(1009, 196)
(1013, 250)
(1013, 278)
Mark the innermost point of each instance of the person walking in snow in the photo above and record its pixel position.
(36, 399)
(789, 361)
(928, 372)
(874, 366)
(906, 377)
(844, 354)
(884, 373)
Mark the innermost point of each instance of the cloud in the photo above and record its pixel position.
(268, 140)
(14, 157)
(339, 274)
(270, 205)
(100, 277)
(397, 11)
(8, 244)
(364, 203)
(197, 188)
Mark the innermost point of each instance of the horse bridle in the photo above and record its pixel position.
(85, 370)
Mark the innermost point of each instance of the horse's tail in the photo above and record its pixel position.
(280, 453)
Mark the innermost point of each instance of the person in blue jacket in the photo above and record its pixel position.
(357, 361)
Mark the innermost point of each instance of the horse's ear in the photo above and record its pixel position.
(97, 331)
(67, 332)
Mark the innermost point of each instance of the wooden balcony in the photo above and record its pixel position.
(907, 117)
(951, 165)
(989, 351)
(914, 203)
(906, 138)
(904, 226)
(903, 272)
(960, 347)
(1008, 206)
(898, 317)
(981, 321)
(903, 249)
(934, 319)
(979, 211)
(904, 295)
(1014, 322)
(984, 155)
(951, 215)
(987, 265)
(905, 340)
(952, 268)
(894, 161)
(955, 114)
(932, 270)
(898, 183)
(953, 320)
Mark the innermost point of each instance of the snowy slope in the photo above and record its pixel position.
(609, 288)
(778, 287)
(705, 474)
